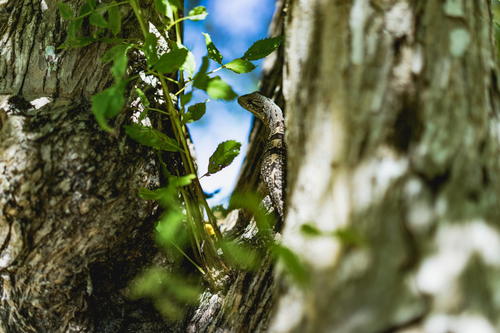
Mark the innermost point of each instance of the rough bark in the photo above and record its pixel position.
(392, 132)
(73, 231)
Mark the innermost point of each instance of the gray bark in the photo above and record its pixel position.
(392, 132)
(73, 231)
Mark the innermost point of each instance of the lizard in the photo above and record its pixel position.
(273, 164)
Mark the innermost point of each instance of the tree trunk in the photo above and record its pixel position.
(391, 114)
(392, 133)
(73, 231)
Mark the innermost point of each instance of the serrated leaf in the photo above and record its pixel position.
(240, 66)
(262, 48)
(223, 156)
(150, 137)
(98, 20)
(213, 52)
(186, 98)
(195, 112)
(65, 10)
(171, 61)
(197, 13)
(219, 89)
(115, 19)
(107, 104)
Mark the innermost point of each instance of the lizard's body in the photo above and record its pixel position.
(274, 157)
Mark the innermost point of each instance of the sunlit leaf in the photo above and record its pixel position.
(213, 52)
(169, 228)
(150, 137)
(189, 64)
(223, 156)
(262, 48)
(240, 66)
(197, 13)
(219, 89)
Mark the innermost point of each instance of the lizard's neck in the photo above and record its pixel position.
(274, 120)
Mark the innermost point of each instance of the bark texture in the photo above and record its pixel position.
(73, 231)
(392, 131)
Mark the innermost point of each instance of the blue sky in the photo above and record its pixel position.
(233, 25)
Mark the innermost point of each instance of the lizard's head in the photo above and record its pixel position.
(255, 103)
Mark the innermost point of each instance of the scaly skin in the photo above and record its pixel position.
(274, 157)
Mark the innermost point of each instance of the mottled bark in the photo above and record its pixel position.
(392, 131)
(73, 231)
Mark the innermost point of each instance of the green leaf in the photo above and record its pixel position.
(143, 97)
(349, 236)
(65, 10)
(195, 112)
(149, 49)
(91, 4)
(120, 61)
(218, 89)
(98, 20)
(163, 8)
(241, 256)
(292, 264)
(201, 79)
(107, 104)
(171, 61)
(150, 137)
(213, 52)
(181, 180)
(310, 230)
(115, 19)
(114, 52)
(240, 66)
(262, 48)
(186, 98)
(189, 64)
(169, 227)
(197, 13)
(223, 155)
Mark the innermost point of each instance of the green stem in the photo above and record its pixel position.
(103, 7)
(138, 14)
